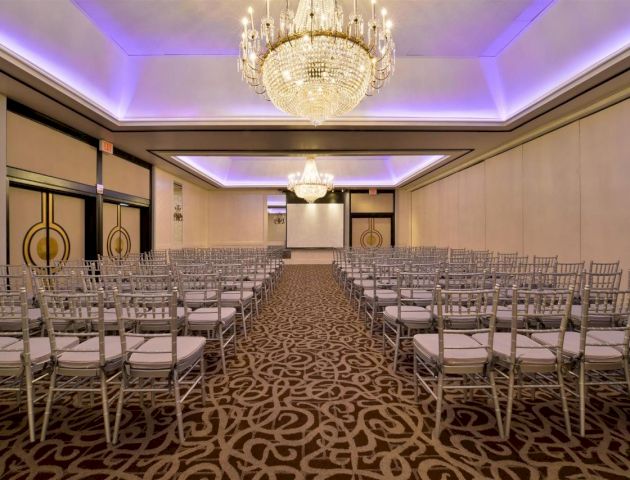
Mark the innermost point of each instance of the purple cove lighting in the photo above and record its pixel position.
(203, 165)
(33, 57)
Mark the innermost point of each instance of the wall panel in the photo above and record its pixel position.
(605, 185)
(564, 193)
(37, 148)
(504, 202)
(551, 194)
(471, 207)
(123, 176)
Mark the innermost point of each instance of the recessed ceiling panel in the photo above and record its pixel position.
(349, 171)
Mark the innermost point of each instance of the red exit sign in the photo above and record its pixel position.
(105, 146)
(372, 191)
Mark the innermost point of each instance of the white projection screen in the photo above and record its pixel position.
(315, 225)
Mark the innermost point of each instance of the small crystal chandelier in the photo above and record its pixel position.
(311, 185)
(313, 65)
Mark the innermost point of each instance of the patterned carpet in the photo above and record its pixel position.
(310, 396)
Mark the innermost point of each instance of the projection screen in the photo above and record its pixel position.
(315, 225)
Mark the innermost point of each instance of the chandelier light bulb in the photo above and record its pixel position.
(314, 65)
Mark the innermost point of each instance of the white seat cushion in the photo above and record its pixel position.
(527, 350)
(11, 324)
(235, 297)
(189, 349)
(595, 317)
(411, 316)
(210, 316)
(197, 297)
(571, 346)
(459, 349)
(86, 354)
(417, 294)
(5, 341)
(614, 338)
(40, 350)
(382, 295)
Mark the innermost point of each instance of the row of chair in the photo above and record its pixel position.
(123, 334)
(530, 328)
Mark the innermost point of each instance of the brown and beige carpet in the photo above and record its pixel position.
(310, 396)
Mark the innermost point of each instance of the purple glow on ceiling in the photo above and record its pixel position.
(387, 171)
(515, 28)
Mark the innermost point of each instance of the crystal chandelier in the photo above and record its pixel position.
(314, 65)
(311, 185)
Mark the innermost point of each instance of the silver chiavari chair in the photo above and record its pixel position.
(453, 359)
(157, 362)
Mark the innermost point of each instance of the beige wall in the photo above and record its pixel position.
(276, 232)
(195, 212)
(237, 217)
(564, 193)
(37, 148)
(123, 176)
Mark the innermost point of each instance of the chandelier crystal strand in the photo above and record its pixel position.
(314, 65)
(310, 185)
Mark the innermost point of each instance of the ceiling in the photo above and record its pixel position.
(349, 170)
(158, 78)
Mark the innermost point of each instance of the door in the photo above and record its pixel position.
(121, 230)
(371, 232)
(45, 228)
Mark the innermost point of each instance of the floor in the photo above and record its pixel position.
(310, 396)
(310, 256)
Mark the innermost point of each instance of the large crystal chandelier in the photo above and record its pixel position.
(310, 185)
(313, 65)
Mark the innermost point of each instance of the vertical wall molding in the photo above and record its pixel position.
(4, 183)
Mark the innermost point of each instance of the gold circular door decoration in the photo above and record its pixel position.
(371, 238)
(118, 242)
(46, 242)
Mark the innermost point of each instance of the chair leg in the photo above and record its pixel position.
(222, 349)
(244, 318)
(438, 406)
(497, 407)
(563, 397)
(415, 377)
(202, 383)
(396, 347)
(510, 402)
(119, 406)
(582, 393)
(178, 408)
(105, 402)
(29, 402)
(49, 400)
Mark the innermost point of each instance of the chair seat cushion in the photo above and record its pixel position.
(382, 294)
(527, 350)
(40, 350)
(232, 298)
(613, 338)
(597, 316)
(571, 346)
(410, 316)
(6, 341)
(417, 294)
(15, 324)
(459, 349)
(189, 350)
(209, 317)
(197, 297)
(86, 354)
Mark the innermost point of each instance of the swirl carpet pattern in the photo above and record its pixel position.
(309, 395)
